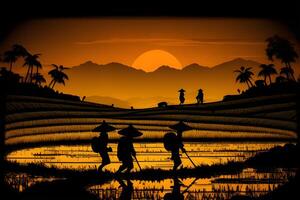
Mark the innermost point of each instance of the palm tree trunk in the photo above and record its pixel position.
(270, 79)
(248, 85)
(27, 74)
(265, 81)
(290, 67)
(31, 74)
(53, 84)
(10, 66)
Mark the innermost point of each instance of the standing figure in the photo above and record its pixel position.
(199, 97)
(125, 148)
(99, 144)
(181, 96)
(173, 142)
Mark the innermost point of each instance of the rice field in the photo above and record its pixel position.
(32, 119)
(32, 123)
(150, 154)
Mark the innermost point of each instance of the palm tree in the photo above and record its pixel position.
(19, 50)
(245, 76)
(288, 72)
(38, 78)
(266, 71)
(10, 57)
(58, 76)
(283, 50)
(31, 61)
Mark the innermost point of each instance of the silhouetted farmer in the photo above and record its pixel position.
(181, 96)
(126, 149)
(173, 142)
(100, 144)
(127, 190)
(200, 96)
(175, 194)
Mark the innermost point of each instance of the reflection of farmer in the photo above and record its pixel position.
(175, 194)
(126, 149)
(181, 96)
(126, 190)
(199, 97)
(104, 128)
(173, 142)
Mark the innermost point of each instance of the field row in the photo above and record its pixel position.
(77, 136)
(251, 121)
(71, 125)
(22, 111)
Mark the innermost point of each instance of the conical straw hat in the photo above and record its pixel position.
(130, 131)
(104, 127)
(180, 126)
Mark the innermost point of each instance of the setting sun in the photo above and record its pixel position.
(151, 60)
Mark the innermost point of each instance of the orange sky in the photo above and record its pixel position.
(207, 41)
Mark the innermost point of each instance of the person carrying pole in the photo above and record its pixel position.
(99, 144)
(173, 142)
(126, 150)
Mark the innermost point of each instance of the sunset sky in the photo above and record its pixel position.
(207, 41)
(146, 43)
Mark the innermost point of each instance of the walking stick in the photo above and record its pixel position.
(137, 163)
(190, 159)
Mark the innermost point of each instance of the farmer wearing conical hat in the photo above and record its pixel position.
(181, 96)
(177, 143)
(200, 96)
(125, 148)
(103, 150)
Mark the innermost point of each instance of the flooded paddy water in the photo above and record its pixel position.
(150, 154)
(249, 182)
(153, 155)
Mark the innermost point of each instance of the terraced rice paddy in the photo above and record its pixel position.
(32, 123)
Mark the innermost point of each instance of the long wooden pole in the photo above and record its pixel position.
(137, 162)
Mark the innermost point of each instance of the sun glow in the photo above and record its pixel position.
(151, 60)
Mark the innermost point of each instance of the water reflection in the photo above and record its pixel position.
(221, 187)
(21, 181)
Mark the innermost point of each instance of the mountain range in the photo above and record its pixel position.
(122, 85)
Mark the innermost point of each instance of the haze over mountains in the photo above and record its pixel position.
(125, 86)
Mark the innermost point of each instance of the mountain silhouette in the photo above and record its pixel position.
(124, 83)
(108, 101)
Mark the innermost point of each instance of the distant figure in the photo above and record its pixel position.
(112, 105)
(127, 190)
(162, 104)
(99, 144)
(131, 107)
(175, 194)
(125, 148)
(83, 98)
(199, 97)
(181, 96)
(174, 143)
